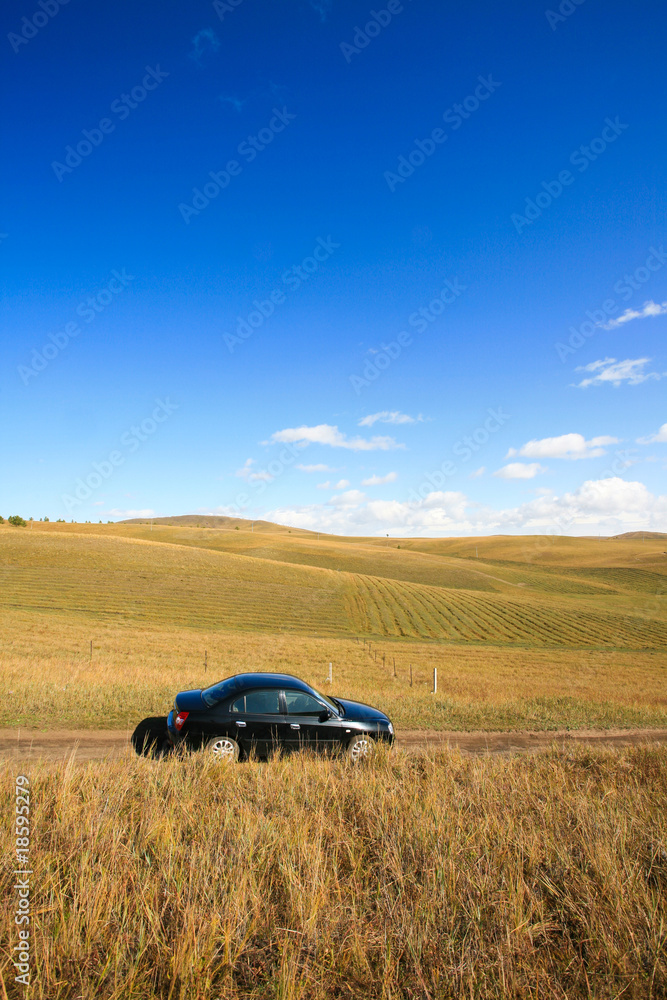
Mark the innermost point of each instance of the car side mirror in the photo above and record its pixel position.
(325, 715)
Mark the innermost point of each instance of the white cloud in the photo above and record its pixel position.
(389, 417)
(98, 503)
(660, 437)
(391, 477)
(340, 485)
(520, 470)
(564, 446)
(132, 513)
(608, 506)
(320, 467)
(246, 469)
(351, 498)
(330, 435)
(246, 472)
(650, 309)
(478, 472)
(616, 372)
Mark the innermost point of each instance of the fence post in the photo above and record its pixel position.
(394, 666)
(330, 677)
(435, 680)
(410, 675)
(205, 660)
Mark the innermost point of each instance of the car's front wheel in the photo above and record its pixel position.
(223, 748)
(360, 748)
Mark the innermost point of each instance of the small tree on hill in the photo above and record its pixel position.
(17, 521)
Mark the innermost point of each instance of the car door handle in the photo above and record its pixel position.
(294, 725)
(241, 725)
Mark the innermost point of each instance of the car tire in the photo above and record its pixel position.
(223, 748)
(360, 748)
(149, 739)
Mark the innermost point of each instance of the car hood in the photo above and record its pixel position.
(362, 713)
(190, 701)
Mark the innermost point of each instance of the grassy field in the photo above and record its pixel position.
(411, 877)
(568, 633)
(407, 877)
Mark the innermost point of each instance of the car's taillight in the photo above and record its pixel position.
(180, 719)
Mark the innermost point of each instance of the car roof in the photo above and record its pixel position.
(268, 680)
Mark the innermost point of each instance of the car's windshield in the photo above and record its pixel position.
(331, 702)
(218, 692)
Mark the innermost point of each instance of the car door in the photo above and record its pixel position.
(258, 720)
(306, 725)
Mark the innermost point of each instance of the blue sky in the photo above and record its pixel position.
(398, 272)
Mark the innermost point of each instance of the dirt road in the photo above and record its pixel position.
(90, 744)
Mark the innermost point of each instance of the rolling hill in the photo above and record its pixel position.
(276, 581)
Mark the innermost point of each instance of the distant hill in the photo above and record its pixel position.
(279, 582)
(655, 535)
(216, 521)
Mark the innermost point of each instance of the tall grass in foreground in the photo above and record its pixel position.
(411, 877)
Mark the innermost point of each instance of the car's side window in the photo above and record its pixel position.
(257, 703)
(300, 703)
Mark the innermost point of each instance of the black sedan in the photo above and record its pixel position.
(258, 713)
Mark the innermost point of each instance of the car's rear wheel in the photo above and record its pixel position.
(223, 748)
(360, 748)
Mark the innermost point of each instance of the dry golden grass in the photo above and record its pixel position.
(553, 550)
(303, 879)
(135, 672)
(152, 602)
(128, 579)
(411, 877)
(413, 559)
